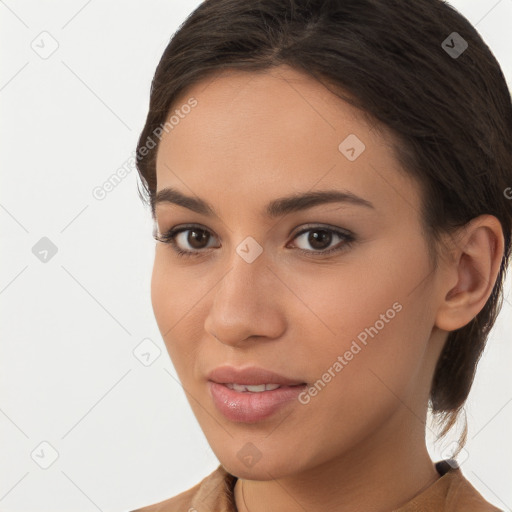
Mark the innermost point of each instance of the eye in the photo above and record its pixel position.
(320, 239)
(194, 237)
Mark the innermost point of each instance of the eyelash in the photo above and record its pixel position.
(169, 238)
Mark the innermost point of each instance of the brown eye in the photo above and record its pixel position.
(319, 240)
(187, 240)
(196, 237)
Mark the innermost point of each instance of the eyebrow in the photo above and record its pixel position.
(275, 208)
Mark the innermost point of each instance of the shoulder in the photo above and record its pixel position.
(457, 493)
(214, 492)
(463, 496)
(452, 492)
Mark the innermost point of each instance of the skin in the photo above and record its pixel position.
(359, 444)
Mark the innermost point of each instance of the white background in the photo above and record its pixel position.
(124, 432)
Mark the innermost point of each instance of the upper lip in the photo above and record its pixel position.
(252, 375)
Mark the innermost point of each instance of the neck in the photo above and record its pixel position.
(375, 475)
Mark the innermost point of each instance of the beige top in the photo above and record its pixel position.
(450, 493)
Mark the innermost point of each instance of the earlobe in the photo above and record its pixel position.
(475, 264)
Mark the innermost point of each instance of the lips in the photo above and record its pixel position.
(247, 407)
(252, 394)
(250, 376)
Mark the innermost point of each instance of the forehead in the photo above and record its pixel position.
(280, 101)
(272, 132)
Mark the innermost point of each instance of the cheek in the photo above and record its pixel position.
(176, 300)
(160, 294)
(169, 305)
(174, 291)
(343, 301)
(375, 324)
(357, 385)
(370, 290)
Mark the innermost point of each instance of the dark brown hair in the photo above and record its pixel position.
(450, 116)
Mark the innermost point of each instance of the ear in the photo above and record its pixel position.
(471, 272)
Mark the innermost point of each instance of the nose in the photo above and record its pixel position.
(247, 303)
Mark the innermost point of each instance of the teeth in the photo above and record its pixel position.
(253, 389)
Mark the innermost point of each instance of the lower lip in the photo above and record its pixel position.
(248, 407)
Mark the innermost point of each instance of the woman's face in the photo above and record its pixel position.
(354, 324)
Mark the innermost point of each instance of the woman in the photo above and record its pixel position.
(328, 181)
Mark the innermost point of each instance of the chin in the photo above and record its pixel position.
(266, 468)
